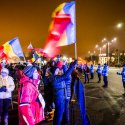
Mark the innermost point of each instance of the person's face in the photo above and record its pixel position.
(35, 74)
(60, 72)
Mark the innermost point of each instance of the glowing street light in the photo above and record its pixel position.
(119, 25)
(104, 46)
(88, 52)
(109, 43)
(104, 40)
(97, 46)
(114, 39)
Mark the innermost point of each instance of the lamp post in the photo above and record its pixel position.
(90, 55)
(108, 47)
(100, 52)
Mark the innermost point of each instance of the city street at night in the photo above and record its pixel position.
(62, 62)
(106, 106)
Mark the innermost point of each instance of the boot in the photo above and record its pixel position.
(6, 120)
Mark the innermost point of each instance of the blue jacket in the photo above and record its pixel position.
(105, 71)
(91, 69)
(123, 75)
(58, 82)
(67, 83)
(99, 69)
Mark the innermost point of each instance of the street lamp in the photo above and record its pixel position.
(119, 25)
(90, 55)
(108, 44)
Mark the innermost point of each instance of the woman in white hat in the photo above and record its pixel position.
(6, 87)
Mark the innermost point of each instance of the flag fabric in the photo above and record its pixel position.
(69, 35)
(35, 56)
(2, 54)
(62, 29)
(30, 46)
(13, 48)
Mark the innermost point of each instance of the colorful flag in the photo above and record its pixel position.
(30, 46)
(69, 35)
(62, 29)
(13, 48)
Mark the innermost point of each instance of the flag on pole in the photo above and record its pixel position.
(13, 48)
(69, 34)
(62, 29)
(30, 46)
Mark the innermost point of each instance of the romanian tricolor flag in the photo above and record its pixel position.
(12, 48)
(62, 30)
(69, 34)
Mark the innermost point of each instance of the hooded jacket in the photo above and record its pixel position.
(30, 110)
(58, 82)
(9, 83)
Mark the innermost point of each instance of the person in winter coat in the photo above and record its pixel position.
(92, 71)
(59, 91)
(48, 92)
(86, 72)
(6, 88)
(31, 111)
(105, 75)
(123, 78)
(67, 95)
(99, 72)
(74, 76)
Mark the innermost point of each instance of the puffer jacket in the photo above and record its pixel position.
(67, 83)
(30, 110)
(123, 75)
(99, 70)
(58, 82)
(9, 83)
(91, 69)
(105, 71)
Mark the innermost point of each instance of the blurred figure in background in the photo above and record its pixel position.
(92, 71)
(6, 88)
(86, 73)
(99, 72)
(123, 78)
(105, 75)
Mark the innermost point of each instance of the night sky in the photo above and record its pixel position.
(30, 19)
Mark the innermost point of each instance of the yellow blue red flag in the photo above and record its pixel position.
(13, 48)
(62, 30)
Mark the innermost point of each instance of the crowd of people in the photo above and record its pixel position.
(57, 78)
(32, 105)
(101, 71)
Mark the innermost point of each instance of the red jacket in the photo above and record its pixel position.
(30, 110)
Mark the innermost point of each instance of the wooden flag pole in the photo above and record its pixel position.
(75, 51)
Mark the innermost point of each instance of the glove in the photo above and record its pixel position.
(3, 89)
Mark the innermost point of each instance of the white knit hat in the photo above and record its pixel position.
(5, 70)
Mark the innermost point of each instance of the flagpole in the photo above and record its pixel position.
(75, 34)
(75, 51)
(24, 59)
